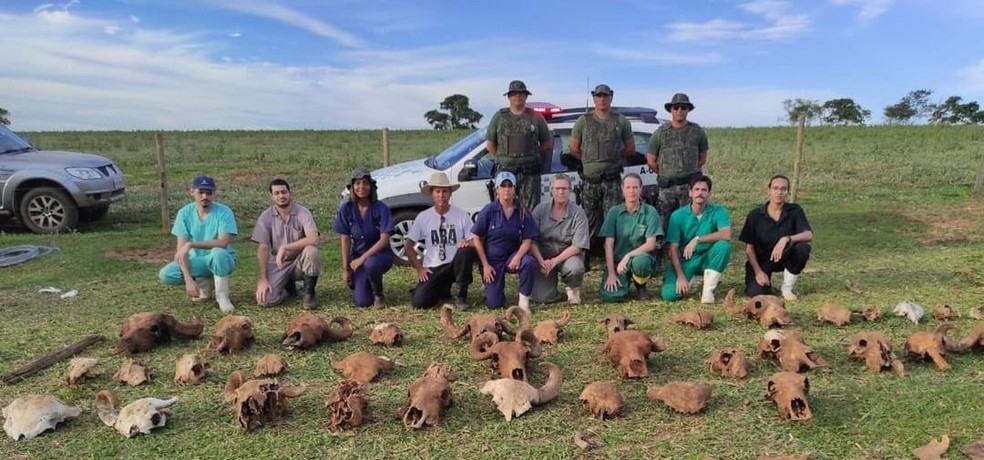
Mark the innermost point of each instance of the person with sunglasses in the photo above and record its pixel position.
(444, 232)
(677, 153)
(503, 235)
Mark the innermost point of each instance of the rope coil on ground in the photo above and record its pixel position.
(13, 255)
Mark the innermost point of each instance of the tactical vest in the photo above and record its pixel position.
(516, 140)
(601, 143)
(678, 150)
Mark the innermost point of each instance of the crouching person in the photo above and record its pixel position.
(699, 238)
(631, 231)
(204, 257)
(364, 225)
(564, 238)
(288, 250)
(444, 230)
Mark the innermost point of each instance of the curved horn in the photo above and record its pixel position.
(564, 318)
(233, 382)
(481, 347)
(549, 391)
(185, 330)
(450, 330)
(526, 335)
(162, 403)
(343, 333)
(105, 407)
(518, 316)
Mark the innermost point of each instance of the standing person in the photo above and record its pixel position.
(600, 139)
(777, 237)
(518, 138)
(204, 257)
(288, 249)
(677, 153)
(364, 224)
(445, 233)
(699, 237)
(631, 231)
(503, 234)
(564, 238)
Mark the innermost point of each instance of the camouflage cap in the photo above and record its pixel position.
(517, 86)
(678, 99)
(361, 173)
(602, 89)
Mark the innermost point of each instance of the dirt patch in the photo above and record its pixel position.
(958, 223)
(152, 255)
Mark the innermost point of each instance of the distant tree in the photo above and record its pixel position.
(844, 111)
(459, 115)
(4, 116)
(952, 111)
(809, 109)
(914, 106)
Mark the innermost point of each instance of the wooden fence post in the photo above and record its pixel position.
(162, 173)
(979, 181)
(386, 147)
(798, 159)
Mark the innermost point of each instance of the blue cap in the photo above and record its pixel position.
(203, 183)
(505, 176)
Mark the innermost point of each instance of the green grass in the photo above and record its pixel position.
(891, 212)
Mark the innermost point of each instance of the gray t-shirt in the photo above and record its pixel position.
(557, 235)
(270, 229)
(440, 238)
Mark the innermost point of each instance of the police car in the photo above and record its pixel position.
(468, 163)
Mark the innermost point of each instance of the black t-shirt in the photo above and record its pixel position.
(762, 232)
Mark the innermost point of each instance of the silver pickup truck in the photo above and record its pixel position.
(49, 191)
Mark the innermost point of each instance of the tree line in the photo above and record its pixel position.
(913, 108)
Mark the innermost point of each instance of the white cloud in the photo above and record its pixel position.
(776, 24)
(972, 78)
(134, 19)
(111, 30)
(868, 9)
(236, 34)
(295, 18)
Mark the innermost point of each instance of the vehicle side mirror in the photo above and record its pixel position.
(468, 171)
(636, 159)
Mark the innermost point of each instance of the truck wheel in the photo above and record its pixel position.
(402, 221)
(48, 210)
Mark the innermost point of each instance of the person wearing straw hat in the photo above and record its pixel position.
(364, 224)
(204, 258)
(518, 138)
(503, 235)
(677, 153)
(444, 231)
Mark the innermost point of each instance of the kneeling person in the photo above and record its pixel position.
(631, 231)
(288, 249)
(444, 231)
(699, 237)
(564, 238)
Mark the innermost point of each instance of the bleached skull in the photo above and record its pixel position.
(140, 416)
(29, 416)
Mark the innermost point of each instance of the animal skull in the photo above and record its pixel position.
(361, 366)
(428, 397)
(258, 401)
(139, 416)
(909, 309)
(769, 310)
(876, 351)
(28, 416)
(789, 391)
(269, 365)
(485, 322)
(133, 373)
(550, 331)
(701, 319)
(307, 330)
(515, 397)
(834, 314)
(232, 334)
(142, 331)
(602, 399)
(615, 323)
(684, 397)
(347, 405)
(932, 345)
(190, 369)
(386, 334)
(730, 362)
(945, 313)
(789, 348)
(510, 358)
(80, 369)
(629, 349)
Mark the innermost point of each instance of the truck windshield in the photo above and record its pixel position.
(457, 151)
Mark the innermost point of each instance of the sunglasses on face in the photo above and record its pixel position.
(680, 107)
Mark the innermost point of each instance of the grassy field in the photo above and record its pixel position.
(891, 212)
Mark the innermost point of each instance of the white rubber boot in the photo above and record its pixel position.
(524, 302)
(711, 279)
(206, 289)
(788, 281)
(222, 294)
(573, 295)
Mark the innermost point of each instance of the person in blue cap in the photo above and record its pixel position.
(204, 257)
(365, 225)
(503, 235)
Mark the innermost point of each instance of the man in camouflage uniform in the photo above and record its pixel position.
(599, 140)
(518, 138)
(677, 153)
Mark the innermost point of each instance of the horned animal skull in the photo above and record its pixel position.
(139, 416)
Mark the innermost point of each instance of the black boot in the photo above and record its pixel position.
(461, 300)
(309, 300)
(643, 292)
(291, 287)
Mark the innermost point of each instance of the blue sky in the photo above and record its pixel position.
(365, 64)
